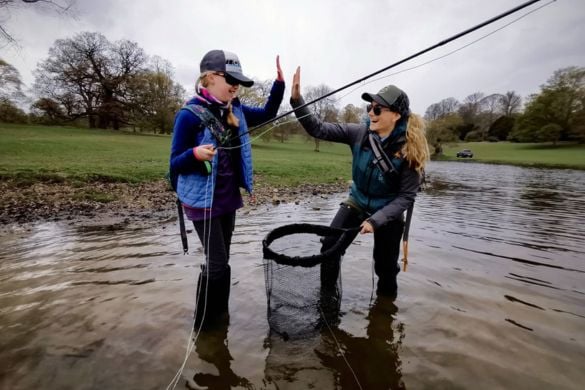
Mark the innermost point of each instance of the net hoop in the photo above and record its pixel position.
(345, 238)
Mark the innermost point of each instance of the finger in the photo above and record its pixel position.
(278, 63)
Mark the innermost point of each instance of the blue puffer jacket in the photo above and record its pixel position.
(192, 188)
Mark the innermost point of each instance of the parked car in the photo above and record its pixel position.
(465, 153)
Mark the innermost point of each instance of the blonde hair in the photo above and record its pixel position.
(416, 148)
(203, 79)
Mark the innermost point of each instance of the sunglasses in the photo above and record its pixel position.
(377, 109)
(228, 79)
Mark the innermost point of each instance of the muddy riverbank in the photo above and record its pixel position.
(24, 203)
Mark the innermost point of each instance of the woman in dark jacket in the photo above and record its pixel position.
(378, 197)
(211, 157)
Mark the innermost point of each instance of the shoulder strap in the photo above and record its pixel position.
(208, 120)
(380, 158)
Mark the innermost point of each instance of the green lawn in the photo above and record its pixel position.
(67, 153)
(543, 155)
(42, 152)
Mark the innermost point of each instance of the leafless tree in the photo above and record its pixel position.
(61, 6)
(91, 77)
(510, 103)
(442, 109)
(324, 108)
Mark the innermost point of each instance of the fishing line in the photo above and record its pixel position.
(406, 59)
(252, 139)
(449, 53)
(206, 237)
(462, 47)
(340, 349)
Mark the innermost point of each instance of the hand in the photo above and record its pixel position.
(295, 93)
(366, 228)
(279, 74)
(204, 152)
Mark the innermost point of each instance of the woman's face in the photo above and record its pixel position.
(384, 122)
(222, 86)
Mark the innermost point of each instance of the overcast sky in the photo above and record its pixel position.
(334, 41)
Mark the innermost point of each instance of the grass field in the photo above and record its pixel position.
(65, 153)
(58, 153)
(542, 155)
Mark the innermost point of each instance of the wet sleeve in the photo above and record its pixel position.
(347, 133)
(184, 140)
(410, 181)
(257, 115)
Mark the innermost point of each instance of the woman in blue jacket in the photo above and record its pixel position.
(211, 157)
(378, 198)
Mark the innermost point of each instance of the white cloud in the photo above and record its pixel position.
(334, 41)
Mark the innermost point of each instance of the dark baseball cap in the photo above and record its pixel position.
(392, 97)
(227, 62)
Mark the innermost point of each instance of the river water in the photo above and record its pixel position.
(494, 297)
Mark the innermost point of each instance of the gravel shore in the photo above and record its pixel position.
(21, 204)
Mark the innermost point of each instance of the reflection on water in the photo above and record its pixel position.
(494, 298)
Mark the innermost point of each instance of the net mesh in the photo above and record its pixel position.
(303, 278)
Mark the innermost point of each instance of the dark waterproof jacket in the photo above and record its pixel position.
(382, 197)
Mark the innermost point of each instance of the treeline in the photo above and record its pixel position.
(556, 113)
(89, 81)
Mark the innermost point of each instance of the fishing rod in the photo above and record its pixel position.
(441, 43)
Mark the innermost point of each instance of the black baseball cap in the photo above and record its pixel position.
(227, 62)
(392, 97)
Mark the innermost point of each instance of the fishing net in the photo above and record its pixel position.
(303, 278)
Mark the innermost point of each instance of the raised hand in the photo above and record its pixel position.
(295, 93)
(279, 74)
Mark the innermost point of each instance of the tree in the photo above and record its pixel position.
(91, 77)
(469, 111)
(323, 108)
(443, 130)
(489, 107)
(443, 108)
(351, 114)
(549, 133)
(155, 97)
(9, 113)
(561, 101)
(47, 111)
(501, 128)
(6, 5)
(10, 81)
(510, 103)
(256, 96)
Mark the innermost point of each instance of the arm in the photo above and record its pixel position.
(409, 185)
(255, 116)
(186, 155)
(347, 133)
(337, 132)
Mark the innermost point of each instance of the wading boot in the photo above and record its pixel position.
(202, 304)
(387, 287)
(212, 300)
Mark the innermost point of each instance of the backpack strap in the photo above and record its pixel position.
(384, 162)
(208, 120)
(381, 159)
